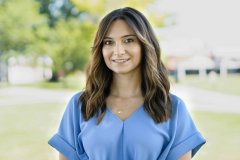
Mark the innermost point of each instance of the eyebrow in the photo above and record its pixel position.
(129, 35)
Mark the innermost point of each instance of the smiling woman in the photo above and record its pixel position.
(126, 111)
(121, 49)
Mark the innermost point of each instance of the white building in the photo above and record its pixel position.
(23, 70)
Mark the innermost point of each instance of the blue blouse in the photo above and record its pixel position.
(136, 138)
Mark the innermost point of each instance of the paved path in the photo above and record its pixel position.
(195, 99)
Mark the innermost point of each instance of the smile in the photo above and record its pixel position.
(120, 60)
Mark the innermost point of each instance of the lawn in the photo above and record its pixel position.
(229, 84)
(26, 129)
(74, 81)
(221, 131)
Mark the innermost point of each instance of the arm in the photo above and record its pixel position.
(61, 157)
(186, 156)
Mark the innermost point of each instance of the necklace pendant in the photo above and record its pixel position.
(119, 111)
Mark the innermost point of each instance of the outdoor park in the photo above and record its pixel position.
(44, 49)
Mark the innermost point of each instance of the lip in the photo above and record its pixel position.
(122, 60)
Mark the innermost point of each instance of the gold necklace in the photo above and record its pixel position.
(119, 111)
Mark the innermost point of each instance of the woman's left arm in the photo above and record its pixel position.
(186, 156)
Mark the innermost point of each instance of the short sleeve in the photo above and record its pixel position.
(66, 139)
(185, 136)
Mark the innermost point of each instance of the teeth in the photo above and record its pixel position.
(120, 60)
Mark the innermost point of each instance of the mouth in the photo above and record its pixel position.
(120, 60)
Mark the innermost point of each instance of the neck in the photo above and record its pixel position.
(126, 86)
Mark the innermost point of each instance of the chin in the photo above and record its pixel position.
(120, 72)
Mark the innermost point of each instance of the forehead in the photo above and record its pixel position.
(119, 28)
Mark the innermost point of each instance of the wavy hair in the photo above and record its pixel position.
(155, 85)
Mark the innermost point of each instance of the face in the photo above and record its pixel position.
(121, 49)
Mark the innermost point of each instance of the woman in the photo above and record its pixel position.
(126, 111)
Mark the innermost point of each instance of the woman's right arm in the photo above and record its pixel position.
(61, 157)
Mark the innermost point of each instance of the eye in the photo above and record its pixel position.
(108, 42)
(128, 40)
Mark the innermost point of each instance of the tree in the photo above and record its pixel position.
(64, 30)
(97, 8)
(57, 9)
(17, 23)
(24, 31)
(68, 44)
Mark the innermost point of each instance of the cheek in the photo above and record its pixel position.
(138, 53)
(105, 56)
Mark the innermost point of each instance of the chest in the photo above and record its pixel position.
(124, 108)
(137, 137)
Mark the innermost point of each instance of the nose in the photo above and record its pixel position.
(119, 49)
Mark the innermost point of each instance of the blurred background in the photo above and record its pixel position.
(45, 46)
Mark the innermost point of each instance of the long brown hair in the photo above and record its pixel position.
(155, 84)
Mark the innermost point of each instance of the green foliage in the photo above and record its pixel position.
(68, 44)
(98, 8)
(24, 31)
(57, 9)
(64, 31)
(17, 21)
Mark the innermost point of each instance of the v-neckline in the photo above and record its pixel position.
(129, 117)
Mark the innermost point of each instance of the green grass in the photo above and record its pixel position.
(229, 84)
(25, 130)
(221, 131)
(75, 81)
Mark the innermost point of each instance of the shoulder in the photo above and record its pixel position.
(178, 106)
(74, 104)
(176, 101)
(75, 97)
